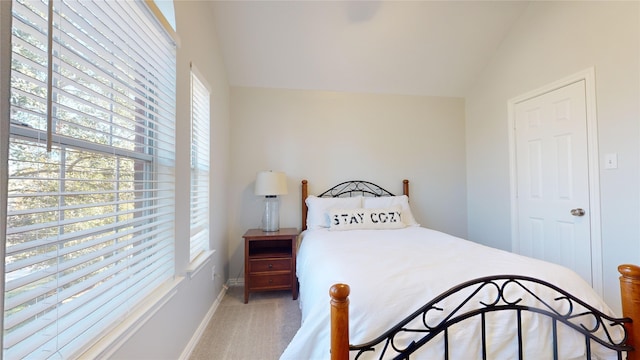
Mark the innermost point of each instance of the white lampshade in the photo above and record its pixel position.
(271, 183)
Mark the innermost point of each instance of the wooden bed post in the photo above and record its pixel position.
(339, 321)
(305, 193)
(630, 295)
(405, 187)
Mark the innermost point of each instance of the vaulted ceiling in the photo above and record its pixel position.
(434, 48)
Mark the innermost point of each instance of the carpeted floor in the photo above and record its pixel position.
(259, 330)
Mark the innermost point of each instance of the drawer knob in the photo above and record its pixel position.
(270, 266)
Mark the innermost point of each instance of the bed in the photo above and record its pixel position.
(400, 290)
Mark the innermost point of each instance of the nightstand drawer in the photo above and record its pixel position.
(263, 265)
(270, 281)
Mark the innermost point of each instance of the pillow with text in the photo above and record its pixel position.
(370, 219)
(389, 201)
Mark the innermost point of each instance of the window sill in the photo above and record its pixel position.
(198, 263)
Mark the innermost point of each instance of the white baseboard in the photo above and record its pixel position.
(236, 282)
(186, 353)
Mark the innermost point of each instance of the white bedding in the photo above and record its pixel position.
(393, 272)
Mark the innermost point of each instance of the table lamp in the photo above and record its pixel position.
(270, 184)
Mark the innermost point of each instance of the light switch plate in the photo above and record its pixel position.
(611, 161)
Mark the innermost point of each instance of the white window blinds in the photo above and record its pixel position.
(200, 118)
(90, 222)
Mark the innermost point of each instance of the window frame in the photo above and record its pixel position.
(160, 166)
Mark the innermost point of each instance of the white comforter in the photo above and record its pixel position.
(393, 272)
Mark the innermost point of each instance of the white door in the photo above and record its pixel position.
(553, 178)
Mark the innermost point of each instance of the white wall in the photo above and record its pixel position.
(169, 331)
(330, 137)
(551, 41)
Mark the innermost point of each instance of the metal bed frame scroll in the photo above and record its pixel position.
(488, 294)
(356, 187)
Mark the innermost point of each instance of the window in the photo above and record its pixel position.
(200, 118)
(90, 211)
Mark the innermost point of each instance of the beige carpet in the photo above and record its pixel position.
(259, 330)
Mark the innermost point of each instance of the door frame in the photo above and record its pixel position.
(588, 75)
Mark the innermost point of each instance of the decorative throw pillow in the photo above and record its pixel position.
(389, 201)
(318, 209)
(371, 219)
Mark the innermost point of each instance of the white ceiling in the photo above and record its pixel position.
(432, 48)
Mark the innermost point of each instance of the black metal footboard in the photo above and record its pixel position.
(478, 298)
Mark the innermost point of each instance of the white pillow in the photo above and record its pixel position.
(318, 209)
(389, 201)
(371, 219)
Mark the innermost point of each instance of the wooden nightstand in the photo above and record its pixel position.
(270, 261)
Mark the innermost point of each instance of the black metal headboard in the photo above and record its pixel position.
(349, 188)
(355, 188)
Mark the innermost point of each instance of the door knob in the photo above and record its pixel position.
(577, 212)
